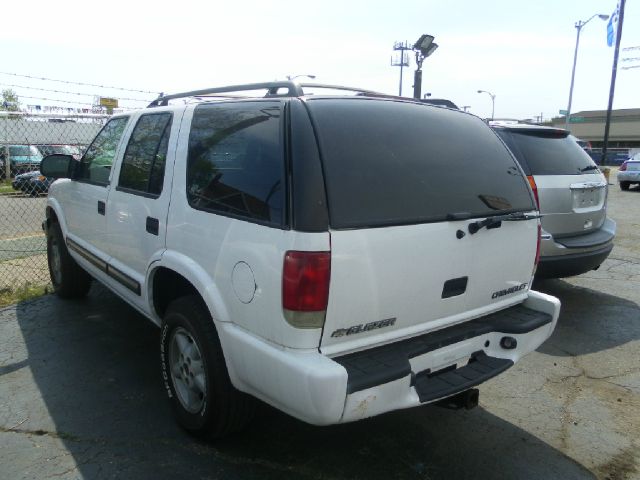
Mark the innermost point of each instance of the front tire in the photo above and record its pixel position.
(625, 185)
(195, 375)
(68, 278)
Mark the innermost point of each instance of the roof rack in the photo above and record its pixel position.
(273, 90)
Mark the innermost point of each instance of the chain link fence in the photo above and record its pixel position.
(24, 140)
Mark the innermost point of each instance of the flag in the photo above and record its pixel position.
(612, 26)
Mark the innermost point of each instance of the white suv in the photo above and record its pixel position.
(334, 256)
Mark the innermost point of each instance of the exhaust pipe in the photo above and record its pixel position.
(467, 400)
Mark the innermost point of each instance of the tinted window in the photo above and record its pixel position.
(236, 164)
(144, 160)
(95, 165)
(550, 153)
(393, 163)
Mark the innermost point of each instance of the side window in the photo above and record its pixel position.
(95, 165)
(236, 162)
(144, 159)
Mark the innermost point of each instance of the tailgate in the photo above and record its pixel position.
(572, 204)
(390, 283)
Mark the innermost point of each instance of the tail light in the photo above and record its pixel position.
(623, 167)
(305, 288)
(534, 188)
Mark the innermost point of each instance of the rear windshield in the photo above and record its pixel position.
(549, 154)
(395, 163)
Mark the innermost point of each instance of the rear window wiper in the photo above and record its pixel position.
(496, 220)
(589, 167)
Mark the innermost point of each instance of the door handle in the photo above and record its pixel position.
(101, 207)
(153, 225)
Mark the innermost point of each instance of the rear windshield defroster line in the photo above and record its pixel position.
(397, 163)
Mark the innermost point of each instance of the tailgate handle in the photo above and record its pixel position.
(587, 185)
(454, 287)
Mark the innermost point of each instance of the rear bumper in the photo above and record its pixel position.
(631, 176)
(572, 264)
(408, 373)
(568, 256)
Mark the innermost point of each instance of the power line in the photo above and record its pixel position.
(78, 83)
(67, 92)
(55, 100)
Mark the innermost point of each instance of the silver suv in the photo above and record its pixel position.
(571, 193)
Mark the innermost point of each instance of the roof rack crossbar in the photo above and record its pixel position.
(293, 90)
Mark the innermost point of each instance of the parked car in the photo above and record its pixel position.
(571, 193)
(336, 257)
(22, 158)
(60, 149)
(37, 185)
(22, 179)
(629, 172)
(32, 183)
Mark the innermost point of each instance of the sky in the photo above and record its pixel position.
(522, 51)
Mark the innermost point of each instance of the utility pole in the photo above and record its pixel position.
(612, 89)
(401, 59)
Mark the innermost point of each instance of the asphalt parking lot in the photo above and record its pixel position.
(81, 397)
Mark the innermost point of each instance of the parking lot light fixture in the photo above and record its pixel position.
(423, 47)
(493, 101)
(579, 25)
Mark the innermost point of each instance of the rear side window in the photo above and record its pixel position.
(235, 165)
(144, 160)
(548, 153)
(394, 163)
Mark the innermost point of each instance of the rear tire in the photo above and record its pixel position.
(625, 185)
(195, 374)
(68, 278)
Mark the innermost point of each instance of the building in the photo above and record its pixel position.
(589, 125)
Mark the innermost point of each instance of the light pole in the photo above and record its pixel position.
(493, 101)
(424, 47)
(293, 77)
(579, 26)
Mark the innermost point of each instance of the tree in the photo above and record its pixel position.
(10, 101)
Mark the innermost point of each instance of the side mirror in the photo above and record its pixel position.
(57, 166)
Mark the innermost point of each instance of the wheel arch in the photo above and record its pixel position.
(54, 213)
(176, 275)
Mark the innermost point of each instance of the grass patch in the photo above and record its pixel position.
(27, 291)
(5, 186)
